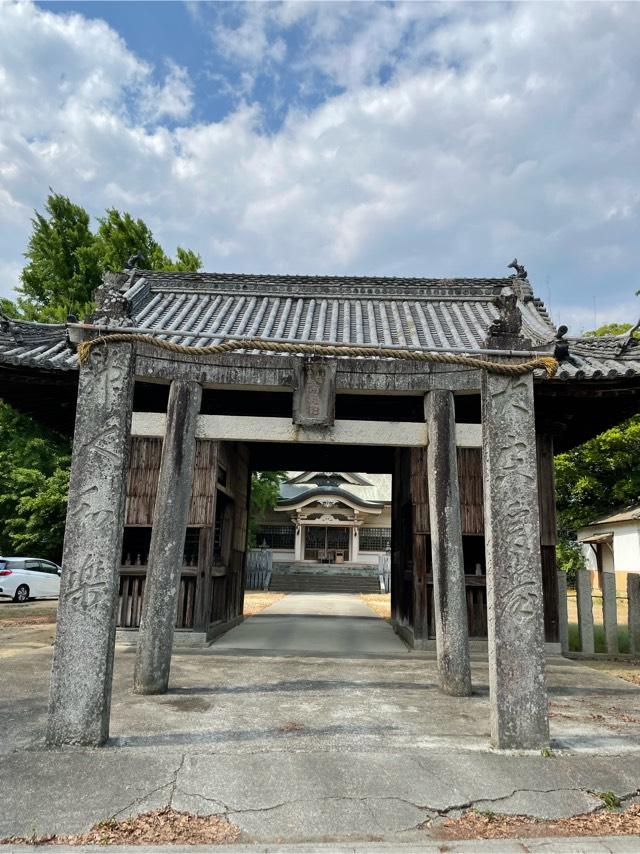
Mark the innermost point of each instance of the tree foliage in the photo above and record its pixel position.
(34, 482)
(598, 476)
(63, 267)
(594, 479)
(66, 259)
(120, 236)
(609, 329)
(65, 263)
(265, 489)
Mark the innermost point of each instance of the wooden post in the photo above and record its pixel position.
(450, 602)
(519, 709)
(81, 676)
(162, 587)
(418, 522)
(585, 610)
(548, 536)
(202, 607)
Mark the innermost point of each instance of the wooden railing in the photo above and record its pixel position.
(476, 595)
(131, 592)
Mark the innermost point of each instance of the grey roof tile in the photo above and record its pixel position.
(418, 312)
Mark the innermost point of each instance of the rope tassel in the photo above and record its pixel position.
(547, 363)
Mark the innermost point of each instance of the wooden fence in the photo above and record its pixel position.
(259, 569)
(130, 596)
(585, 608)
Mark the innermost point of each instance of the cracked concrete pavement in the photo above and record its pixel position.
(304, 748)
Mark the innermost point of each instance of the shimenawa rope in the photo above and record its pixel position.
(548, 363)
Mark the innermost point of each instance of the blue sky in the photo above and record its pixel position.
(426, 139)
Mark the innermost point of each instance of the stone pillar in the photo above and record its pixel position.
(449, 593)
(519, 707)
(81, 675)
(633, 592)
(563, 612)
(170, 516)
(585, 610)
(609, 612)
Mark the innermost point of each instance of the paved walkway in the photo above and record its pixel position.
(346, 746)
(317, 623)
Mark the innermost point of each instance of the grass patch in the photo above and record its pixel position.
(598, 638)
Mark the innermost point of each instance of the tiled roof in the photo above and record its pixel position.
(414, 312)
(425, 313)
(35, 345)
(629, 514)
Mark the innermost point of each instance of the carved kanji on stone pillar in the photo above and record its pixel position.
(80, 697)
(519, 713)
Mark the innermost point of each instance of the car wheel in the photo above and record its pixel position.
(22, 594)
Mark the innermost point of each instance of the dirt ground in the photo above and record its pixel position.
(257, 600)
(36, 612)
(610, 821)
(380, 603)
(43, 611)
(157, 827)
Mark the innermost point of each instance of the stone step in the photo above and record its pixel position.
(307, 583)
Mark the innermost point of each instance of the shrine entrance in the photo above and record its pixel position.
(326, 543)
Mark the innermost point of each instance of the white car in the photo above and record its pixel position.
(23, 578)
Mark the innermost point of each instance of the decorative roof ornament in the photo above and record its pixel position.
(509, 321)
(132, 262)
(632, 338)
(112, 307)
(561, 347)
(10, 328)
(520, 272)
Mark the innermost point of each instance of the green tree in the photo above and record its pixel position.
(34, 482)
(66, 260)
(597, 477)
(592, 480)
(265, 489)
(63, 268)
(609, 329)
(120, 236)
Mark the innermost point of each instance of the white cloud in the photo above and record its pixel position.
(173, 98)
(502, 130)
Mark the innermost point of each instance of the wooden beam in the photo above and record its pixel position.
(246, 370)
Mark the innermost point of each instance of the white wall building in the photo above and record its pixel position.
(330, 518)
(612, 544)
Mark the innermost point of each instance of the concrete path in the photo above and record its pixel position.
(354, 747)
(521, 845)
(318, 623)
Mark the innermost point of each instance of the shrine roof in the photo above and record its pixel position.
(412, 312)
(290, 497)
